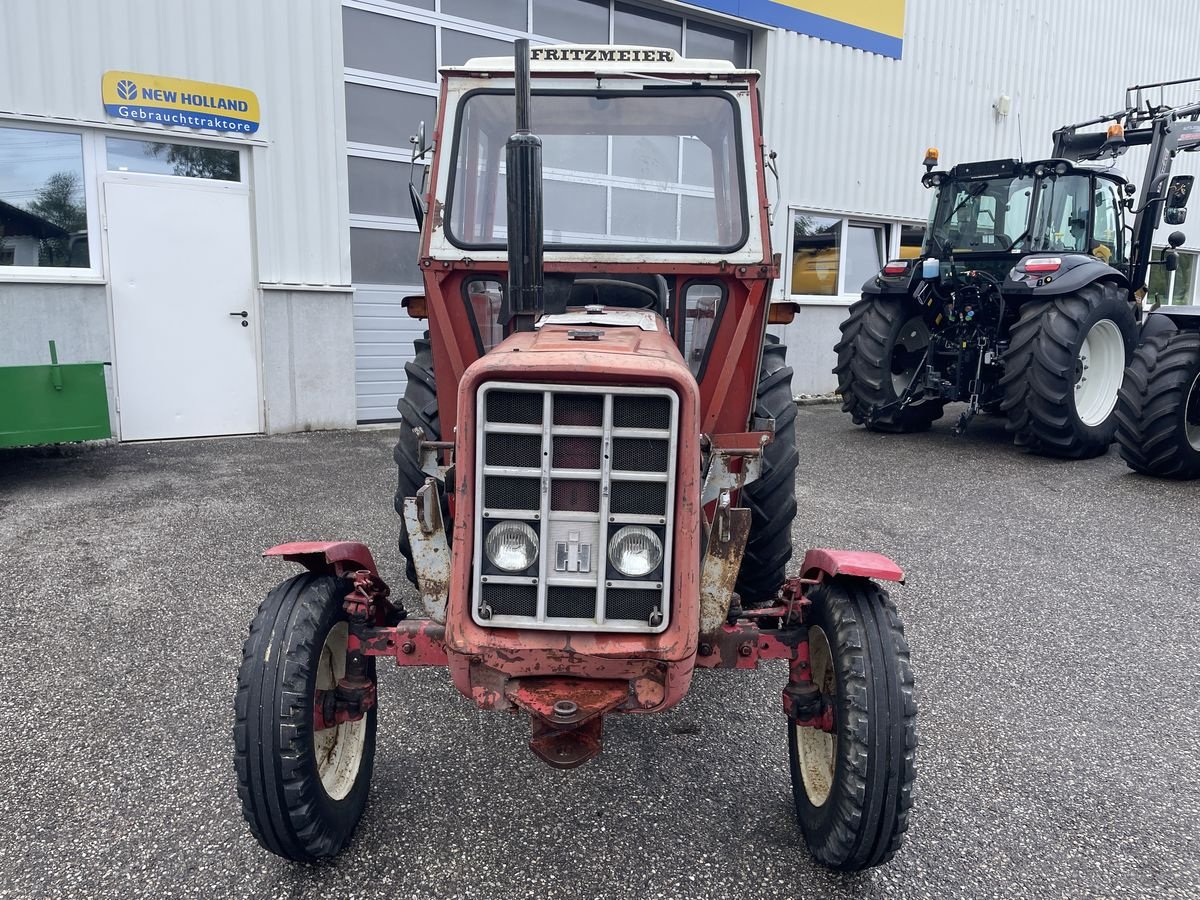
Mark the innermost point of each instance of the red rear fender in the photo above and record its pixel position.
(850, 562)
(335, 557)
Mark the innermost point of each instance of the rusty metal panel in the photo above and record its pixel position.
(429, 547)
(722, 560)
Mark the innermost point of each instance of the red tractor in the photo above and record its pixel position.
(596, 466)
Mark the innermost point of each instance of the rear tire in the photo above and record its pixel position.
(772, 498)
(1158, 413)
(418, 409)
(1063, 370)
(877, 358)
(302, 791)
(853, 788)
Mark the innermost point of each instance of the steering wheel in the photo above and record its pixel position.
(597, 283)
(1003, 241)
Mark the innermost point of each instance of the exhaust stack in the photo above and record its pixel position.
(523, 155)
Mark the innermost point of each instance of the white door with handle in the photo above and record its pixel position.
(184, 319)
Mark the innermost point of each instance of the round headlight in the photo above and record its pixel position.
(635, 550)
(511, 546)
(1061, 168)
(1039, 171)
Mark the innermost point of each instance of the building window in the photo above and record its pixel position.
(577, 21)
(1185, 283)
(866, 252)
(912, 238)
(833, 256)
(43, 200)
(181, 160)
(816, 255)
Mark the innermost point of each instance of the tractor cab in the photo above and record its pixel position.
(1009, 208)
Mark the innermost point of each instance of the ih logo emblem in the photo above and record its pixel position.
(126, 89)
(572, 555)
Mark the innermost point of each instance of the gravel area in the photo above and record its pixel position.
(1051, 607)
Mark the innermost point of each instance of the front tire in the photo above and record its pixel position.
(878, 357)
(772, 498)
(1063, 369)
(303, 791)
(853, 788)
(1158, 413)
(418, 408)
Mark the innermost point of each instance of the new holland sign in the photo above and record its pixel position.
(161, 100)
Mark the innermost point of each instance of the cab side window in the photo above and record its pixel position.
(1108, 242)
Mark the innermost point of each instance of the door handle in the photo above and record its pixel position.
(243, 314)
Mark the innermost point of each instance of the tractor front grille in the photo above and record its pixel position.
(574, 463)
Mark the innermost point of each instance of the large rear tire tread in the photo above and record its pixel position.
(864, 369)
(1152, 405)
(418, 408)
(863, 821)
(282, 796)
(1038, 381)
(772, 498)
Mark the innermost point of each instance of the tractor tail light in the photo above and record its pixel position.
(1043, 265)
(896, 267)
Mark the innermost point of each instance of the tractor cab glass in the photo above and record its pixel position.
(1071, 213)
(635, 170)
(980, 215)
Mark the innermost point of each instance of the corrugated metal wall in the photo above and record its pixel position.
(53, 52)
(851, 127)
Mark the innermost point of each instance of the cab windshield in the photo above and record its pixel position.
(1024, 214)
(650, 168)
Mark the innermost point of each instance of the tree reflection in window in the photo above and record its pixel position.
(43, 213)
(182, 160)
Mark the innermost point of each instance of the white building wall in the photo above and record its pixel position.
(289, 52)
(851, 127)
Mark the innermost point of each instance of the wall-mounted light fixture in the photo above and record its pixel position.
(1003, 105)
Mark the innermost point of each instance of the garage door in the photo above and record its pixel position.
(383, 343)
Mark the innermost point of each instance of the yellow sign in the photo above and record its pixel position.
(874, 25)
(162, 100)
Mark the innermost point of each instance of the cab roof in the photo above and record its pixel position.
(603, 58)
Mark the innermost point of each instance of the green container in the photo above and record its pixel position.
(53, 404)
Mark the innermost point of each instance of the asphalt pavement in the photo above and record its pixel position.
(1051, 607)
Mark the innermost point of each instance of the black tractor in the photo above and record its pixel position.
(1158, 411)
(1025, 298)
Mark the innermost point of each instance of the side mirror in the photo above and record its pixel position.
(1178, 194)
(419, 149)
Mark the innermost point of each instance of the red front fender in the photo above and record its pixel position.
(335, 557)
(824, 563)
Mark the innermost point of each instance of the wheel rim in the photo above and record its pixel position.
(1191, 414)
(1099, 368)
(817, 749)
(907, 352)
(339, 749)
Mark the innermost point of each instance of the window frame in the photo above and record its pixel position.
(891, 249)
(93, 162)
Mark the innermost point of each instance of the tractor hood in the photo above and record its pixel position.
(585, 342)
